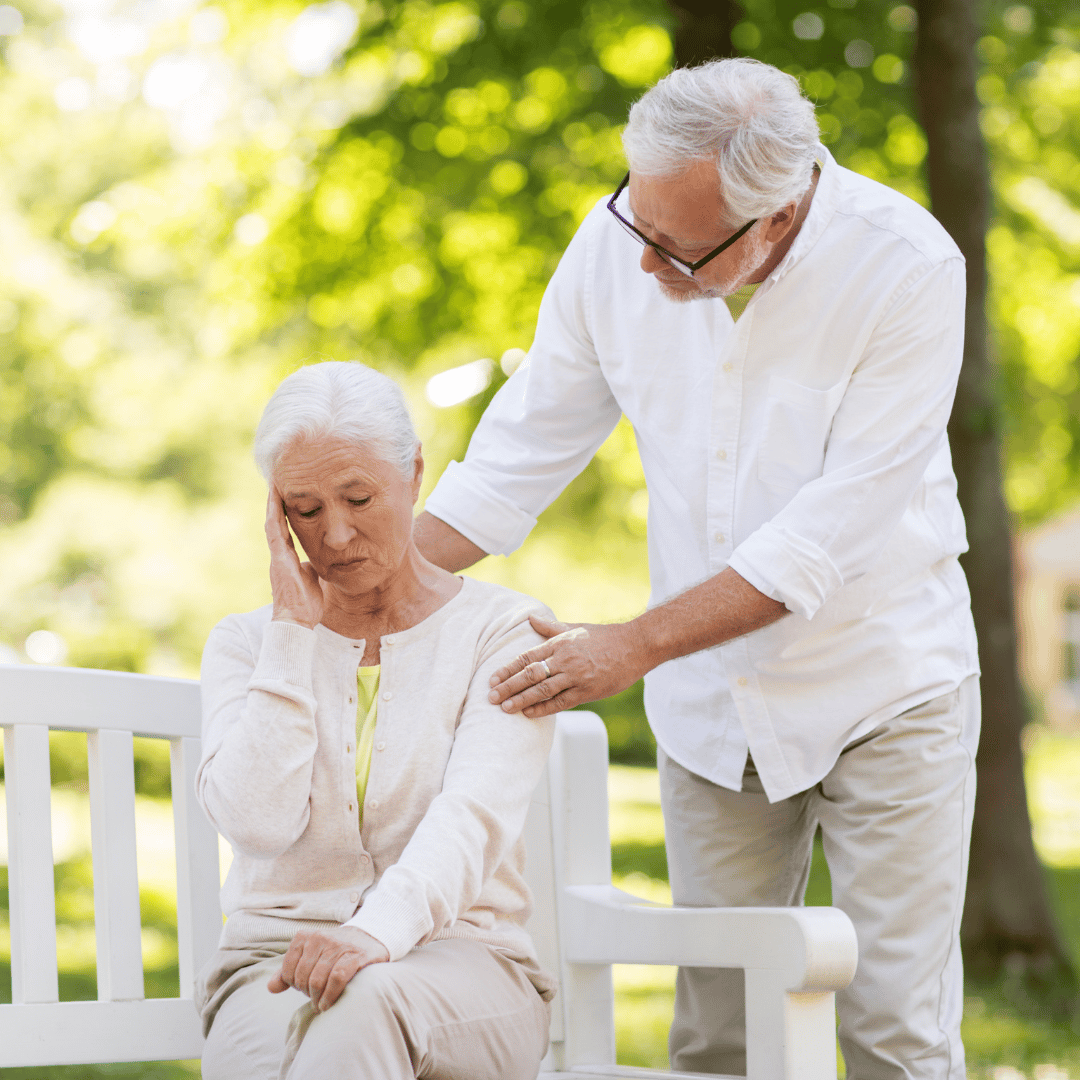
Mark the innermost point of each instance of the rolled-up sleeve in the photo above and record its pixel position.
(889, 425)
(542, 427)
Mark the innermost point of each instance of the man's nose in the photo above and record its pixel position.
(652, 260)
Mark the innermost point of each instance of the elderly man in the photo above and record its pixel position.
(787, 350)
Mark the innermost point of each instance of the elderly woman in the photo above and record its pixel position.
(373, 796)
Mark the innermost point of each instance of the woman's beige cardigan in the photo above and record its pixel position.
(440, 854)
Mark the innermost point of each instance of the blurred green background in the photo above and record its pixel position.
(195, 199)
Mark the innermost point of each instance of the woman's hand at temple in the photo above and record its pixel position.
(298, 595)
(320, 963)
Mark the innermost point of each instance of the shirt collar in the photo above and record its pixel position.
(822, 208)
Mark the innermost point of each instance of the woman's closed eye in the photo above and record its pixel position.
(360, 502)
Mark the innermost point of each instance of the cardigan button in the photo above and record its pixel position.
(365, 858)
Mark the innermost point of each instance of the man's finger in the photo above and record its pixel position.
(519, 664)
(539, 692)
(277, 984)
(570, 697)
(532, 675)
(548, 628)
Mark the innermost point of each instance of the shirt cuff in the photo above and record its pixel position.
(392, 921)
(787, 567)
(470, 506)
(286, 656)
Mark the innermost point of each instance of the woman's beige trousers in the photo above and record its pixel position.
(450, 1010)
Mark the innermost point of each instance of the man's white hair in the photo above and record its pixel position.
(748, 117)
(338, 400)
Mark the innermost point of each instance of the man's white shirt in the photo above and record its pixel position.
(804, 446)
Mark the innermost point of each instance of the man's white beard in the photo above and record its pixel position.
(754, 253)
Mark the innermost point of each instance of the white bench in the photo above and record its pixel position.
(794, 958)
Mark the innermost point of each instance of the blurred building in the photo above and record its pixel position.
(1048, 603)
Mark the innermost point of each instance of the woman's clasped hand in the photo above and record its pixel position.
(320, 963)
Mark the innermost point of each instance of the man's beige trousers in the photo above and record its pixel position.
(450, 1010)
(895, 815)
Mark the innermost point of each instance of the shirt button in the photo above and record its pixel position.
(743, 680)
(373, 804)
(721, 455)
(354, 897)
(729, 368)
(387, 695)
(380, 746)
(719, 538)
(391, 640)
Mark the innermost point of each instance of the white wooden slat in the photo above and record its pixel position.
(582, 857)
(80, 699)
(198, 911)
(117, 919)
(31, 885)
(78, 1032)
(543, 925)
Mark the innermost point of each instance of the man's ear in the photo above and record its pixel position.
(780, 223)
(418, 472)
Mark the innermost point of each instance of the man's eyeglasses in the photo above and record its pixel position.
(689, 269)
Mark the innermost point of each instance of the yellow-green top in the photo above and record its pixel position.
(367, 696)
(738, 300)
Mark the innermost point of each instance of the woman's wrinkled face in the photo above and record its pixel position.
(351, 510)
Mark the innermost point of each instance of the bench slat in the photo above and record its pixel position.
(79, 1032)
(31, 888)
(198, 913)
(117, 918)
(81, 699)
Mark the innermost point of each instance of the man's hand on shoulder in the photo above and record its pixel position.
(585, 662)
(579, 662)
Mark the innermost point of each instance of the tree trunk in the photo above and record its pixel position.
(704, 29)
(1008, 915)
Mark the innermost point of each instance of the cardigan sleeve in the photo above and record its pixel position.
(258, 735)
(471, 826)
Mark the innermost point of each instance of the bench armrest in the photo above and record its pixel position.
(808, 949)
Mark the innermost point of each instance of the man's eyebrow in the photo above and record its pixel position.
(680, 240)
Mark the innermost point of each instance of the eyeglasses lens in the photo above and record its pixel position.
(644, 241)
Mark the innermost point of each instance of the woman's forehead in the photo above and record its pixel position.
(327, 462)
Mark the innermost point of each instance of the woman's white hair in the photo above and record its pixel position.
(338, 400)
(748, 117)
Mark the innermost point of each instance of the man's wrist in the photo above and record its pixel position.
(642, 648)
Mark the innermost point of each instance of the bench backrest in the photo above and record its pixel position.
(122, 1025)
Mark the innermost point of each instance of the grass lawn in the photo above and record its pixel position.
(1004, 1041)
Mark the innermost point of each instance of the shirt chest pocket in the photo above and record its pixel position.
(797, 422)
